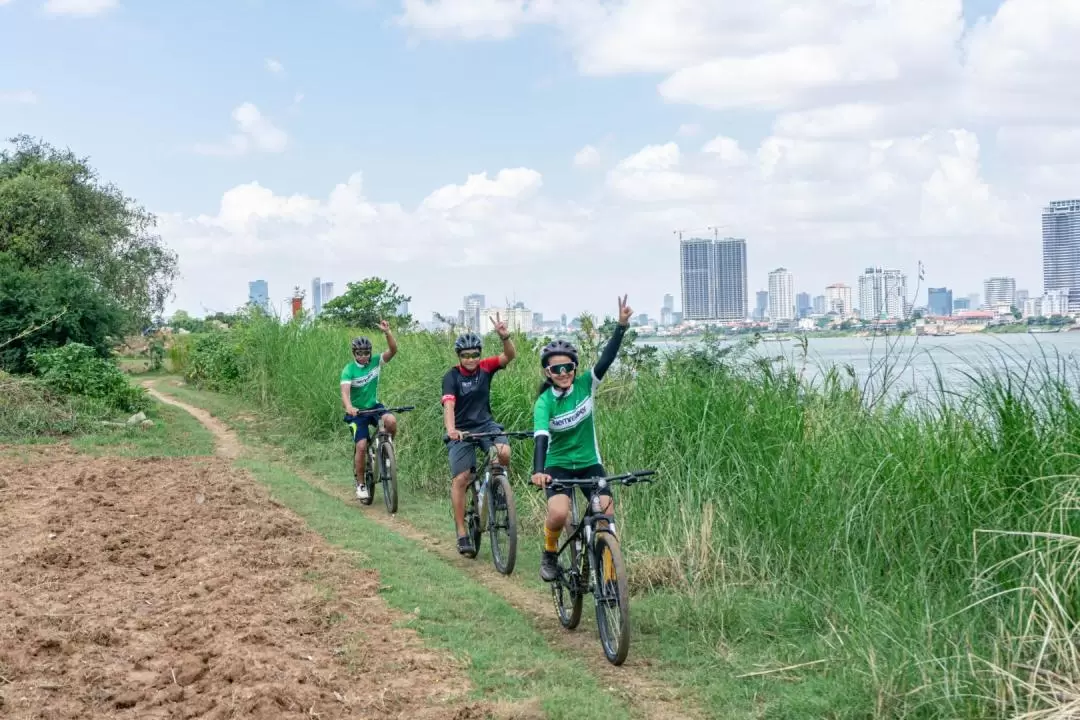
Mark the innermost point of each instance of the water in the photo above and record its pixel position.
(913, 362)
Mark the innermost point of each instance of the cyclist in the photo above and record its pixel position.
(565, 431)
(359, 392)
(466, 403)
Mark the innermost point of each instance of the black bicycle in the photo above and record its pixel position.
(382, 449)
(489, 504)
(591, 561)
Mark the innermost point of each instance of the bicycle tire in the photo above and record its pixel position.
(501, 497)
(567, 585)
(472, 520)
(388, 476)
(369, 478)
(616, 642)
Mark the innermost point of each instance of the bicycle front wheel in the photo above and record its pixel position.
(612, 598)
(502, 523)
(472, 520)
(388, 475)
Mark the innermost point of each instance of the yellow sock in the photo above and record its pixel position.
(609, 567)
(551, 539)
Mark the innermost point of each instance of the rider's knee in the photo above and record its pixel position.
(462, 479)
(390, 423)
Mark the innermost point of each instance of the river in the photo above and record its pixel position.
(916, 360)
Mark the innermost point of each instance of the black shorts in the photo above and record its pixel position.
(360, 425)
(558, 473)
(463, 454)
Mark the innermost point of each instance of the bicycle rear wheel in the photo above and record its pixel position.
(472, 519)
(612, 598)
(502, 523)
(388, 475)
(566, 590)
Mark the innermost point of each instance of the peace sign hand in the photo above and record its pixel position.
(624, 312)
(500, 327)
(384, 326)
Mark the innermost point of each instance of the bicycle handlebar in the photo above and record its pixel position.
(467, 436)
(405, 408)
(625, 479)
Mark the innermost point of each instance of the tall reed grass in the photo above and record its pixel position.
(867, 522)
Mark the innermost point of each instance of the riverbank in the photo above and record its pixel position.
(879, 581)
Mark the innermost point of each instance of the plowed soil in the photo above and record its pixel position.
(162, 588)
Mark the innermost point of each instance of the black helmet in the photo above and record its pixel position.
(361, 343)
(557, 347)
(468, 341)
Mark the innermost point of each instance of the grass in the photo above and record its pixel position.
(791, 523)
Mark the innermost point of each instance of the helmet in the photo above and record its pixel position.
(361, 343)
(557, 347)
(468, 341)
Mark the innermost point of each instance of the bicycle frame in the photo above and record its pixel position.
(593, 515)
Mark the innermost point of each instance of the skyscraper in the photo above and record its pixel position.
(761, 305)
(838, 299)
(882, 294)
(1000, 291)
(802, 304)
(259, 294)
(669, 302)
(316, 296)
(781, 295)
(326, 292)
(1061, 249)
(939, 301)
(713, 275)
(474, 305)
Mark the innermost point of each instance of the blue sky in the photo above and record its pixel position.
(139, 85)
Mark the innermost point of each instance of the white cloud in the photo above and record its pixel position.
(80, 8)
(18, 97)
(257, 134)
(653, 175)
(587, 157)
(688, 130)
(726, 150)
(274, 66)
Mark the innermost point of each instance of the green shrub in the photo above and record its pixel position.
(29, 409)
(76, 369)
(213, 362)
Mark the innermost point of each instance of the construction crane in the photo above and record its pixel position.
(714, 228)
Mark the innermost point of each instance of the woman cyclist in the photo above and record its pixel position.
(565, 431)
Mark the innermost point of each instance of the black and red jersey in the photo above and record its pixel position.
(471, 393)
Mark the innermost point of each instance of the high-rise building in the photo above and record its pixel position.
(316, 296)
(1022, 297)
(713, 279)
(474, 306)
(326, 292)
(669, 302)
(802, 304)
(882, 294)
(403, 308)
(939, 301)
(819, 305)
(963, 303)
(838, 300)
(1000, 291)
(517, 319)
(761, 305)
(259, 294)
(781, 295)
(1061, 249)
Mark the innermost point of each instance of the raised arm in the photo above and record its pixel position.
(509, 351)
(391, 341)
(611, 350)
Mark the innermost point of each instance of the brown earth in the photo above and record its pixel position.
(152, 588)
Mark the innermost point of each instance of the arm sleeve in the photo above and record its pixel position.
(448, 389)
(541, 433)
(610, 351)
(490, 364)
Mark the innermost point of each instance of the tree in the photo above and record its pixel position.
(365, 303)
(55, 211)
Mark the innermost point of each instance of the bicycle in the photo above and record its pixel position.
(585, 571)
(382, 447)
(489, 488)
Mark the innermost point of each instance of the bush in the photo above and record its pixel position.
(76, 369)
(29, 409)
(213, 363)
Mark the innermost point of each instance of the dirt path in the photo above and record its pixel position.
(152, 588)
(633, 681)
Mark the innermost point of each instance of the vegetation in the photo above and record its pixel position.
(889, 547)
(365, 303)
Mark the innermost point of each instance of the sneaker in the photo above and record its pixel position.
(549, 566)
(361, 492)
(464, 545)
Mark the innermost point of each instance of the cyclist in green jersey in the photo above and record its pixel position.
(565, 431)
(359, 392)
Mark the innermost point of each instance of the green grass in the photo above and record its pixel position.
(175, 434)
(507, 659)
(790, 523)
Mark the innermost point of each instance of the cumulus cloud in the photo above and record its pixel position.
(274, 66)
(80, 8)
(587, 157)
(256, 134)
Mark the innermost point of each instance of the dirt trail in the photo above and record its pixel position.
(633, 681)
(153, 588)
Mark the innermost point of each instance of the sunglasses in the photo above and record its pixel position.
(362, 353)
(469, 355)
(562, 368)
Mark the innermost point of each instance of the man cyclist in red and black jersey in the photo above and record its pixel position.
(466, 406)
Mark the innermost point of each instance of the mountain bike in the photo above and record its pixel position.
(489, 504)
(590, 542)
(381, 448)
